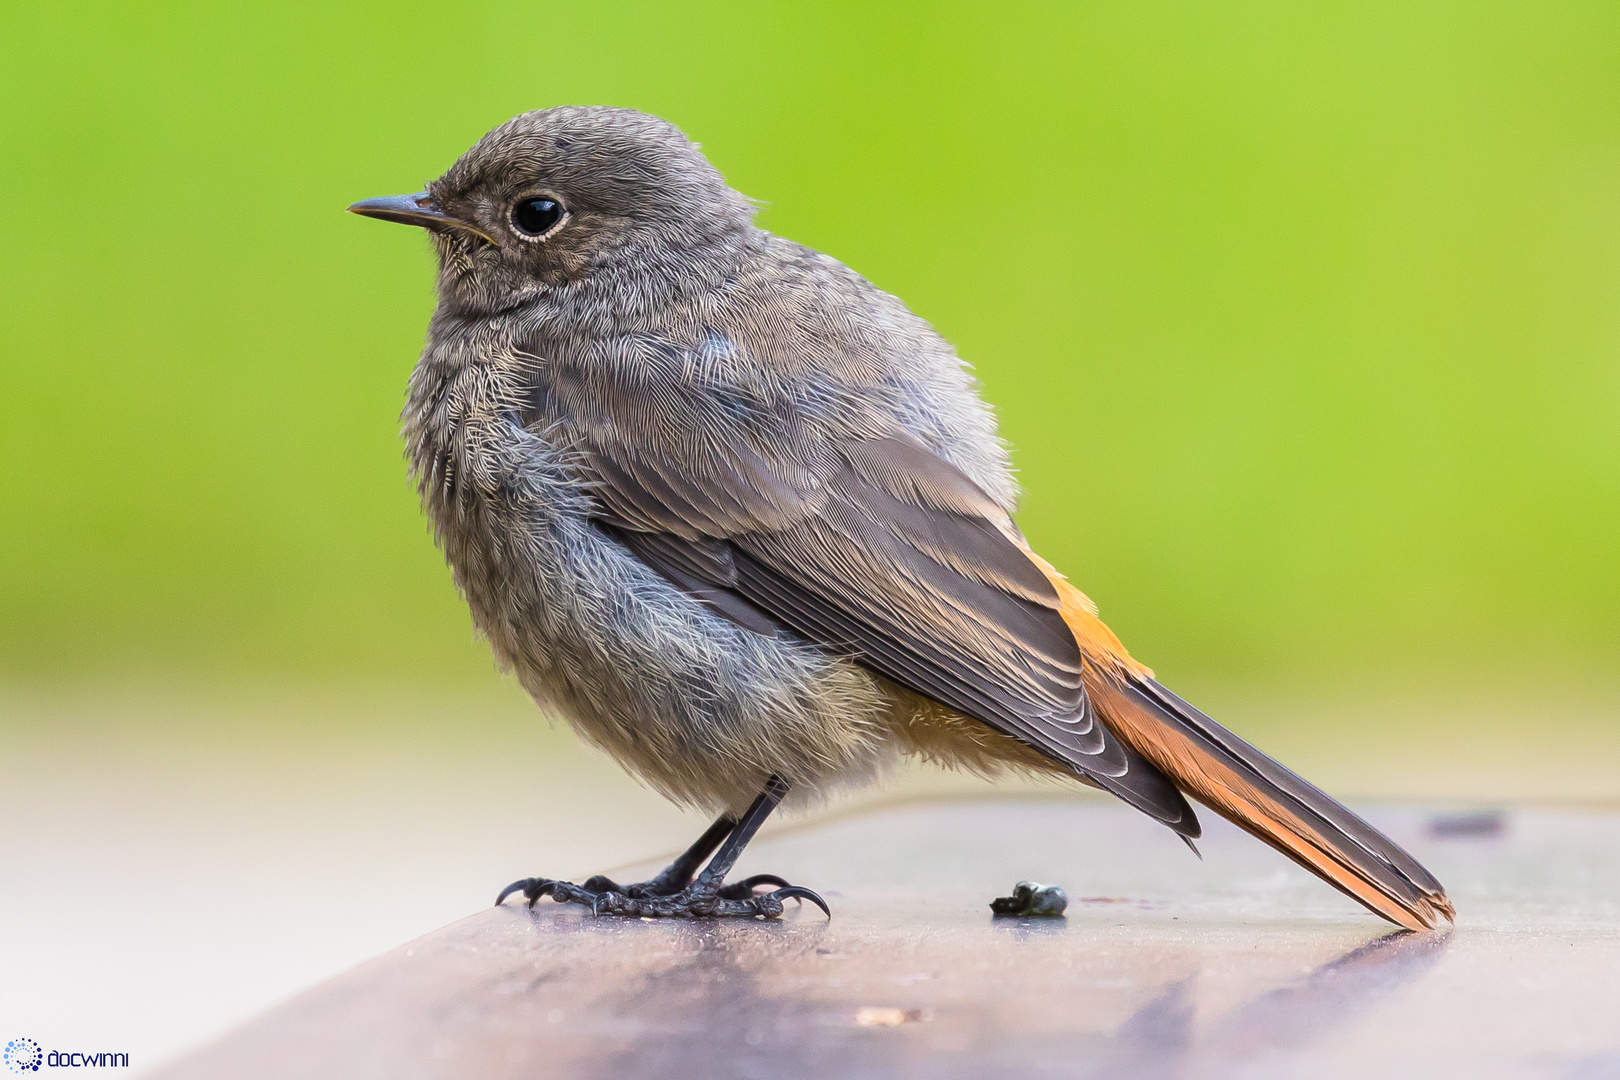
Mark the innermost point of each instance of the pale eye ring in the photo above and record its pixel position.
(537, 215)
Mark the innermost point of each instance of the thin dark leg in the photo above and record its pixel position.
(747, 826)
(675, 892)
(678, 874)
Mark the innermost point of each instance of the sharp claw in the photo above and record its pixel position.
(538, 887)
(765, 879)
(742, 890)
(799, 892)
(516, 886)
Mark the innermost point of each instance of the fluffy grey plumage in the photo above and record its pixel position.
(738, 514)
(660, 334)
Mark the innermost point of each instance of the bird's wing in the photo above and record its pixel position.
(873, 548)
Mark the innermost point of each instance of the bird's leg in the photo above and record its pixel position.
(678, 874)
(675, 892)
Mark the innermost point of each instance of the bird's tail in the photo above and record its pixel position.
(1245, 786)
(1262, 797)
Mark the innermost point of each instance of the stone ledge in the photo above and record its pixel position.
(1164, 966)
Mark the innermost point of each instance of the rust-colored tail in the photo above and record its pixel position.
(1245, 786)
(1258, 795)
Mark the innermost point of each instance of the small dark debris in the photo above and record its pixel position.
(1031, 898)
(1475, 825)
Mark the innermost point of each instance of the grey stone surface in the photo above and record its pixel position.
(1165, 966)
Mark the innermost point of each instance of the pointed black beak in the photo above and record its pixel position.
(418, 209)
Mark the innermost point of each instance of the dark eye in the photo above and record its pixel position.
(537, 216)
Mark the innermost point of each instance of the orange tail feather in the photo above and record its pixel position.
(1244, 786)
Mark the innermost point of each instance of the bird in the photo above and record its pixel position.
(745, 521)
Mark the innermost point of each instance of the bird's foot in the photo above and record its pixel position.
(696, 901)
(661, 886)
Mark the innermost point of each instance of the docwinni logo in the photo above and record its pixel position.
(25, 1055)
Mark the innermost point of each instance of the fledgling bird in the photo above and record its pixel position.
(743, 519)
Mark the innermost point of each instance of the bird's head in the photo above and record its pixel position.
(561, 195)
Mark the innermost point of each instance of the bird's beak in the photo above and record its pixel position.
(418, 209)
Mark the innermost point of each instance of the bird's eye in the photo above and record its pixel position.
(536, 216)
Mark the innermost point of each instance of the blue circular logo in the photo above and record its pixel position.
(24, 1055)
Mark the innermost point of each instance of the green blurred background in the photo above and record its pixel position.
(1303, 320)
